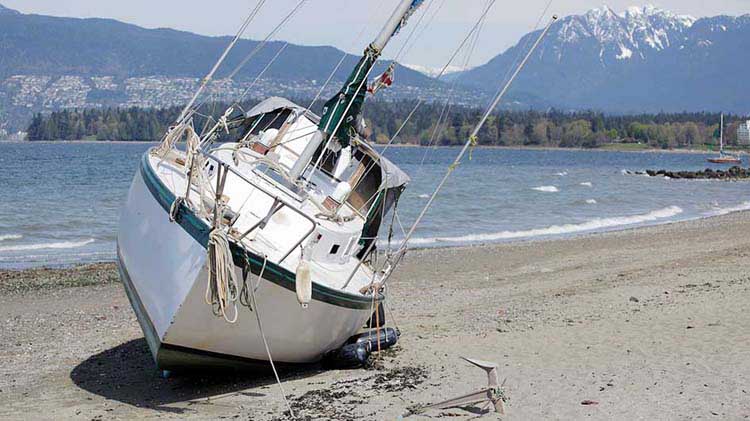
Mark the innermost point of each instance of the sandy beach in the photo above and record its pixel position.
(651, 323)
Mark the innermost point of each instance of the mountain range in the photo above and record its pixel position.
(55, 46)
(643, 59)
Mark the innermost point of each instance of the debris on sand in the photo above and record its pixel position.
(589, 402)
(340, 400)
(399, 379)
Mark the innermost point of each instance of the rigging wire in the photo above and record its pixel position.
(519, 54)
(185, 114)
(414, 30)
(427, 25)
(338, 66)
(442, 71)
(442, 124)
(474, 33)
(255, 50)
(262, 72)
(472, 139)
(268, 37)
(346, 111)
(265, 342)
(476, 28)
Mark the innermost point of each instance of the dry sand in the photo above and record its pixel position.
(652, 323)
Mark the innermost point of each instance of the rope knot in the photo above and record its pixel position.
(473, 142)
(174, 210)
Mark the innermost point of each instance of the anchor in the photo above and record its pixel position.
(491, 394)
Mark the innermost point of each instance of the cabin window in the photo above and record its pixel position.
(335, 249)
(365, 182)
(267, 121)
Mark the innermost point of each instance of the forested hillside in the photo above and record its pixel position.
(507, 128)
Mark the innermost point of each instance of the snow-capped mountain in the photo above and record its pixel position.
(434, 71)
(5, 11)
(639, 59)
(637, 30)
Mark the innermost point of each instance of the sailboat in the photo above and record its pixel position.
(724, 157)
(263, 249)
(281, 222)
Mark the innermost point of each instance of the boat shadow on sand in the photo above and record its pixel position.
(127, 374)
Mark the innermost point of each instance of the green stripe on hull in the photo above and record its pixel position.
(200, 231)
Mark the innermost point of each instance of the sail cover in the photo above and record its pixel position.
(392, 175)
(275, 103)
(395, 177)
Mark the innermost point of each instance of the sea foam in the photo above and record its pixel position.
(725, 211)
(591, 201)
(587, 184)
(7, 237)
(43, 246)
(546, 189)
(591, 225)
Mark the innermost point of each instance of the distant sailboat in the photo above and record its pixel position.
(724, 158)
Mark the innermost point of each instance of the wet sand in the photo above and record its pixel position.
(651, 323)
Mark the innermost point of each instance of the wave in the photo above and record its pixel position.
(725, 211)
(424, 196)
(43, 246)
(10, 237)
(561, 174)
(546, 189)
(591, 225)
(591, 202)
(587, 184)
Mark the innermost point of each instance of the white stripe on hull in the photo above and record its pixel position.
(295, 335)
(163, 260)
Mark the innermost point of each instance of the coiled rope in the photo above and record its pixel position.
(222, 288)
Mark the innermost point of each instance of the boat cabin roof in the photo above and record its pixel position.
(275, 111)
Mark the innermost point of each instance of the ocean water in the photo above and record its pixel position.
(59, 202)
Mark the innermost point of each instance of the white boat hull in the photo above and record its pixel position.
(163, 268)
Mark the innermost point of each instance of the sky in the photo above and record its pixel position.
(352, 24)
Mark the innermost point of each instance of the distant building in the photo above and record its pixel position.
(743, 133)
(18, 136)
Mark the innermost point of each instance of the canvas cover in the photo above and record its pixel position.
(394, 177)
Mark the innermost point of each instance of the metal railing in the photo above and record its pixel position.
(279, 203)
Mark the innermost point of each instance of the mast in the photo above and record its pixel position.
(341, 112)
(721, 135)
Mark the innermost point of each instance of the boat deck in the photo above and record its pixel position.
(284, 230)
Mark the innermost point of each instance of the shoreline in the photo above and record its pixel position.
(608, 147)
(524, 241)
(654, 315)
(437, 245)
